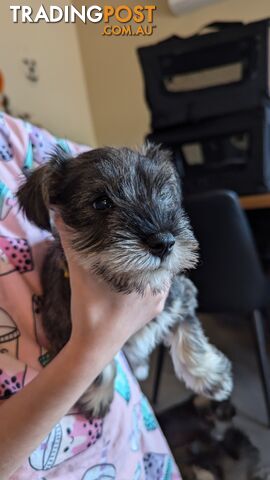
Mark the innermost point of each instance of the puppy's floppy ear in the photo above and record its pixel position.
(33, 197)
(156, 152)
(41, 188)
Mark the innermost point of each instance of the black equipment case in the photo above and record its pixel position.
(207, 75)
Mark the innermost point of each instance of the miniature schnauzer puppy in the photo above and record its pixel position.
(128, 226)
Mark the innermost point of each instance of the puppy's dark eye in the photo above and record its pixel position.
(102, 203)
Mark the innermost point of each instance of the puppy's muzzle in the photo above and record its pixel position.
(161, 244)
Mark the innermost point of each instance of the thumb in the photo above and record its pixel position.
(79, 277)
(63, 231)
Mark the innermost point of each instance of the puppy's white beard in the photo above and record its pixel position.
(183, 257)
(130, 276)
(130, 268)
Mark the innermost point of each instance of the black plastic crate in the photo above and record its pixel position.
(203, 76)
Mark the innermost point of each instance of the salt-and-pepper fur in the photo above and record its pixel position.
(142, 198)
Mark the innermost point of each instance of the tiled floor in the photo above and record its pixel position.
(234, 337)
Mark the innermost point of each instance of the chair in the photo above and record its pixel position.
(229, 277)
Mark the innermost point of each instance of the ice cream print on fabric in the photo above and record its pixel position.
(138, 472)
(5, 266)
(9, 334)
(6, 150)
(149, 419)
(104, 471)
(16, 252)
(40, 147)
(11, 384)
(7, 201)
(71, 436)
(38, 150)
(157, 466)
(135, 435)
(121, 384)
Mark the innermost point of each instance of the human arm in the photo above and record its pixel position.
(102, 321)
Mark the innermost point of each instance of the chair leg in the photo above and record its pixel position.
(157, 378)
(263, 361)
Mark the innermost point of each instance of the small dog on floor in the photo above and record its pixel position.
(207, 445)
(128, 226)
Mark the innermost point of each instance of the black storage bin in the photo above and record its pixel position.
(204, 76)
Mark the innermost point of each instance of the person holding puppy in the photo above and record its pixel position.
(42, 436)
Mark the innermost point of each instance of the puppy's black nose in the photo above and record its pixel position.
(161, 244)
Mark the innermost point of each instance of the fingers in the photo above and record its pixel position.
(79, 277)
(59, 224)
(64, 233)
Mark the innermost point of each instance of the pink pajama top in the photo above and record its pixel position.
(128, 443)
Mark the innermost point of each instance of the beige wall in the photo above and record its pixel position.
(59, 100)
(112, 71)
(90, 87)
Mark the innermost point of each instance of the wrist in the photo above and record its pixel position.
(88, 349)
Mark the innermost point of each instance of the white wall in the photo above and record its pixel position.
(59, 100)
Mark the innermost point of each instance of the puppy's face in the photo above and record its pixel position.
(124, 211)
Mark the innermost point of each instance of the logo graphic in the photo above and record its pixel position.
(121, 20)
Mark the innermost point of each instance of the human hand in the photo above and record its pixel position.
(101, 316)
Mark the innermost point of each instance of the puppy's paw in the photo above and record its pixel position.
(96, 400)
(216, 382)
(204, 369)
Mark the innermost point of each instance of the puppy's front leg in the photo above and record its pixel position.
(141, 345)
(202, 366)
(181, 298)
